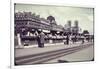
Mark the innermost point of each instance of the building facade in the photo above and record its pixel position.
(27, 23)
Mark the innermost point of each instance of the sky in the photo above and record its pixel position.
(62, 14)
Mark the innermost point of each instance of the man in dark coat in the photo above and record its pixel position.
(42, 39)
(67, 39)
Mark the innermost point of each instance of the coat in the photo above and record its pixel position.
(42, 37)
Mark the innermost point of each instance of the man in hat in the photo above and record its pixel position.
(41, 39)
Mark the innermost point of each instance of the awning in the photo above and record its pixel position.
(46, 31)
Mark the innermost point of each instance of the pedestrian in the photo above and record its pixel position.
(42, 39)
(67, 39)
(82, 39)
(72, 39)
(37, 38)
(75, 38)
(88, 38)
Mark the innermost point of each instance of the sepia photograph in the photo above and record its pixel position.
(48, 34)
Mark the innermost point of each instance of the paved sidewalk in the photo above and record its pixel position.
(49, 44)
(48, 47)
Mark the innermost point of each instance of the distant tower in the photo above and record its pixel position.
(76, 27)
(76, 24)
(69, 24)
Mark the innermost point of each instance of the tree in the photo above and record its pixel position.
(85, 32)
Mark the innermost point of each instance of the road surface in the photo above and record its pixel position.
(45, 57)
